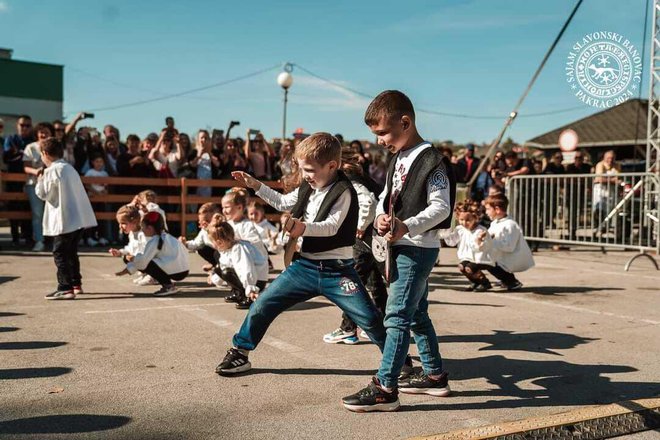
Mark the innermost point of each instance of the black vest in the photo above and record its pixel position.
(345, 236)
(413, 196)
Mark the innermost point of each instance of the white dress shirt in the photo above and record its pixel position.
(509, 246)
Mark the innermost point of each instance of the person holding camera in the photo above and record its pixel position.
(259, 153)
(205, 163)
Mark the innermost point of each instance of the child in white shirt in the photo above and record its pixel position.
(67, 213)
(147, 201)
(104, 232)
(233, 207)
(239, 263)
(128, 217)
(164, 258)
(202, 243)
(267, 231)
(474, 245)
(510, 249)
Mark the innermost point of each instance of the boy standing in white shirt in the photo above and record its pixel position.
(67, 213)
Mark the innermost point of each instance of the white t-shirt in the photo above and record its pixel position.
(509, 246)
(32, 158)
(248, 262)
(438, 198)
(95, 186)
(468, 247)
(245, 230)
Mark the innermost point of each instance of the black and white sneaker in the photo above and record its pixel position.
(61, 294)
(167, 290)
(233, 363)
(514, 287)
(372, 398)
(235, 297)
(407, 370)
(421, 383)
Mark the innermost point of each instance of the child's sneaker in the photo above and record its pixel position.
(407, 370)
(515, 286)
(471, 288)
(483, 287)
(169, 289)
(339, 335)
(39, 247)
(61, 294)
(137, 279)
(78, 290)
(234, 362)
(421, 383)
(236, 296)
(244, 303)
(103, 241)
(364, 335)
(146, 280)
(372, 398)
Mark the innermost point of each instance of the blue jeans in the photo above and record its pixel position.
(407, 309)
(306, 279)
(37, 208)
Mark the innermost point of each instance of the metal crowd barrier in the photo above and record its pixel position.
(607, 211)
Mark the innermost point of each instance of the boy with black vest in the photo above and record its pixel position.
(324, 211)
(421, 189)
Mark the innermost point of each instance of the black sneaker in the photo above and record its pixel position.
(372, 398)
(244, 303)
(483, 287)
(421, 383)
(235, 297)
(407, 369)
(233, 363)
(166, 290)
(515, 286)
(471, 287)
(61, 294)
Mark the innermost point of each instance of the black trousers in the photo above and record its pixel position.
(507, 278)
(208, 254)
(65, 253)
(161, 276)
(367, 268)
(229, 275)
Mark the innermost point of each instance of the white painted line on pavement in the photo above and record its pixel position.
(622, 273)
(573, 308)
(141, 309)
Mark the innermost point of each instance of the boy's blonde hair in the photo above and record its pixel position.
(129, 213)
(321, 148)
(149, 195)
(220, 230)
(237, 197)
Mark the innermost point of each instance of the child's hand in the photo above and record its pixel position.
(130, 258)
(246, 179)
(122, 272)
(383, 224)
(183, 240)
(482, 237)
(294, 227)
(400, 229)
(359, 234)
(253, 295)
(114, 252)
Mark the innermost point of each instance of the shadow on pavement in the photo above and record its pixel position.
(29, 345)
(553, 383)
(29, 373)
(5, 314)
(504, 340)
(556, 290)
(4, 279)
(63, 424)
(8, 329)
(432, 301)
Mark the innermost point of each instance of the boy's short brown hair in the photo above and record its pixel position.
(497, 201)
(390, 104)
(257, 204)
(209, 209)
(236, 197)
(321, 148)
(52, 147)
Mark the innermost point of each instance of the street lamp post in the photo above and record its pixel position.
(285, 80)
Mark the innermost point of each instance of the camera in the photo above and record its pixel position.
(85, 115)
(234, 123)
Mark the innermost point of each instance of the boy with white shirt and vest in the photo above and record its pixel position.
(324, 211)
(420, 189)
(67, 213)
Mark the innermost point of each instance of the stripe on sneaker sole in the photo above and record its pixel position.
(235, 370)
(437, 392)
(385, 407)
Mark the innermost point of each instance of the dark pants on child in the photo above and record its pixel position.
(65, 253)
(472, 271)
(229, 275)
(507, 278)
(366, 267)
(208, 254)
(161, 276)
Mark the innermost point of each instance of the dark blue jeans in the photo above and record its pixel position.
(407, 309)
(306, 279)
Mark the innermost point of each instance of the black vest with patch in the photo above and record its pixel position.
(413, 196)
(345, 236)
